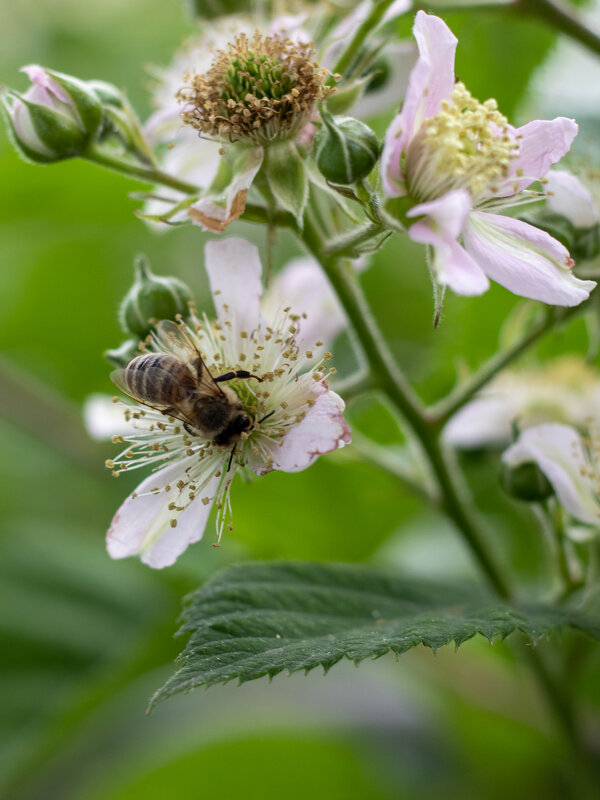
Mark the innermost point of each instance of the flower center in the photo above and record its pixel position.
(466, 145)
(258, 90)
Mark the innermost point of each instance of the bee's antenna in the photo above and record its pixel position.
(231, 457)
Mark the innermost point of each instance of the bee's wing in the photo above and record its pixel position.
(174, 339)
(177, 412)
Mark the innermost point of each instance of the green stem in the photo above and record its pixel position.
(145, 174)
(369, 24)
(562, 19)
(346, 243)
(442, 412)
(388, 379)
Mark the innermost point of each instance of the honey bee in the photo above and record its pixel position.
(178, 384)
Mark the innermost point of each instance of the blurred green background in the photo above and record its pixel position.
(85, 640)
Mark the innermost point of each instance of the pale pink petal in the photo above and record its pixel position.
(44, 85)
(484, 422)
(541, 144)
(322, 430)
(234, 272)
(569, 197)
(302, 284)
(142, 527)
(442, 223)
(525, 260)
(558, 451)
(430, 82)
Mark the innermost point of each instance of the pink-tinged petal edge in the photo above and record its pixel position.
(430, 82)
(558, 452)
(234, 272)
(142, 527)
(43, 81)
(443, 221)
(524, 259)
(322, 430)
(542, 143)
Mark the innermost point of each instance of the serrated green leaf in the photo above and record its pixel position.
(263, 618)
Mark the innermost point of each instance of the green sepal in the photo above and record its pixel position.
(287, 177)
(393, 211)
(85, 101)
(346, 95)
(27, 153)
(56, 131)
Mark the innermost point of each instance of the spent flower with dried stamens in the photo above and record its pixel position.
(259, 89)
(293, 416)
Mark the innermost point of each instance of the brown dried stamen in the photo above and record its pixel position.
(258, 90)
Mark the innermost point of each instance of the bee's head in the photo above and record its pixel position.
(241, 423)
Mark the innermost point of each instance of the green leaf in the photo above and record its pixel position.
(262, 618)
(287, 177)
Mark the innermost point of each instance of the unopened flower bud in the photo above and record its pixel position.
(122, 355)
(56, 117)
(152, 298)
(347, 149)
(526, 482)
(107, 93)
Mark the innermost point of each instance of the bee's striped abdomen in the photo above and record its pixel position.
(158, 378)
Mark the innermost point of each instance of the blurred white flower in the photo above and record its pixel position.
(565, 390)
(567, 195)
(570, 463)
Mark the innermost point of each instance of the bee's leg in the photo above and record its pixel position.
(231, 457)
(168, 412)
(238, 373)
(270, 414)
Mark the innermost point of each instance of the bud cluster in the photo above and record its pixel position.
(260, 90)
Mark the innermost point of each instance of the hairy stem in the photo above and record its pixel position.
(145, 174)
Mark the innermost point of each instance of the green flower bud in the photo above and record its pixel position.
(122, 355)
(152, 298)
(55, 119)
(526, 482)
(347, 149)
